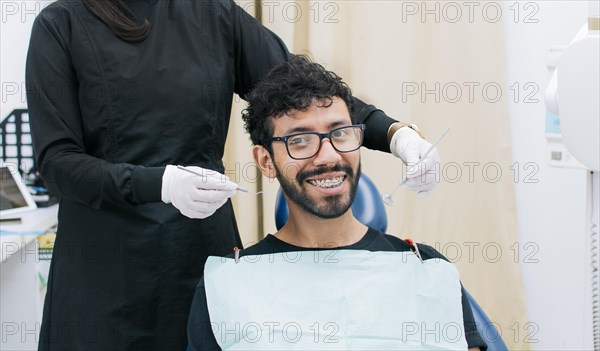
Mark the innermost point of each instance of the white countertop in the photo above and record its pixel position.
(14, 237)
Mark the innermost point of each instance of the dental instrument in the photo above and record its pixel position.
(239, 188)
(387, 198)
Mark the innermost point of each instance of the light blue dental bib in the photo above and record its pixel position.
(334, 300)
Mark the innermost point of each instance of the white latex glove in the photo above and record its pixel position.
(195, 196)
(422, 173)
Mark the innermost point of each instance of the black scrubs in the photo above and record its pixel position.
(106, 117)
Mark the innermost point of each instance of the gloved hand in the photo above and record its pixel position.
(422, 173)
(193, 195)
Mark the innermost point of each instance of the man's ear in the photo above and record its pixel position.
(264, 161)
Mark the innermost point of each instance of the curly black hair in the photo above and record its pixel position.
(291, 85)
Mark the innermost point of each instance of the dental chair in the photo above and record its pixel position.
(369, 209)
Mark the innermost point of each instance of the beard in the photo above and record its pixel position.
(333, 206)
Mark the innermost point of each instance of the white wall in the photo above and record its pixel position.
(16, 19)
(551, 213)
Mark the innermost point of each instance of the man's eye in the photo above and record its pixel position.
(298, 141)
(340, 133)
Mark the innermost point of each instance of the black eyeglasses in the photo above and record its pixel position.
(301, 146)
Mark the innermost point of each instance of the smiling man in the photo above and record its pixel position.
(318, 172)
(379, 292)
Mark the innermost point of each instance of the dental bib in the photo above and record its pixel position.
(334, 300)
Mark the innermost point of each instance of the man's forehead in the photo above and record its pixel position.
(316, 117)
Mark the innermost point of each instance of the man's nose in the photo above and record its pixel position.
(327, 154)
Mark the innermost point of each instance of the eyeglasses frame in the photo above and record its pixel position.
(321, 137)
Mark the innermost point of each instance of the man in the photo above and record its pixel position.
(381, 293)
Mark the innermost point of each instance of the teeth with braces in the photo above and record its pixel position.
(328, 183)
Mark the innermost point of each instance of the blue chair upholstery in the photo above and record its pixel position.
(485, 327)
(369, 209)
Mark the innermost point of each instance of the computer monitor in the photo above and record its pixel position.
(14, 196)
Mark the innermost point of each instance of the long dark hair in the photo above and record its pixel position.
(117, 15)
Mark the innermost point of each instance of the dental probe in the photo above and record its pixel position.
(239, 188)
(387, 198)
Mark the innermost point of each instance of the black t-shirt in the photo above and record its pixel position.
(200, 334)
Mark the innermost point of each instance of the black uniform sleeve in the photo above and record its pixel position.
(200, 334)
(377, 125)
(258, 50)
(56, 126)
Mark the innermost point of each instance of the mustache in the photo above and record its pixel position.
(300, 177)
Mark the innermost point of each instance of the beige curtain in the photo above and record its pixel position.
(437, 74)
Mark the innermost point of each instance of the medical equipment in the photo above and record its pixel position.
(239, 188)
(573, 94)
(14, 195)
(16, 144)
(387, 198)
